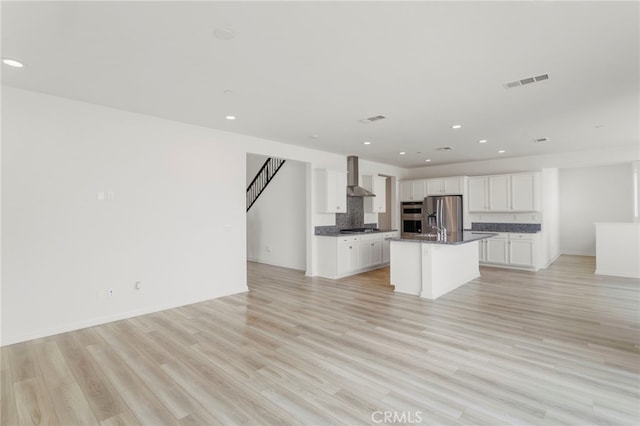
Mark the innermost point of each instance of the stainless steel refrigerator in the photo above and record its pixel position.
(442, 212)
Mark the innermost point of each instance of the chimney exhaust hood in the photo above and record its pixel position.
(353, 188)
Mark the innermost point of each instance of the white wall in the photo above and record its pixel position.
(276, 222)
(589, 195)
(177, 222)
(551, 214)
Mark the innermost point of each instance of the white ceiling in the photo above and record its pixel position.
(303, 68)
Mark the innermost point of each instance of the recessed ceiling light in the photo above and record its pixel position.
(456, 126)
(224, 34)
(501, 151)
(227, 91)
(402, 153)
(366, 143)
(12, 63)
(314, 136)
(230, 117)
(428, 160)
(482, 141)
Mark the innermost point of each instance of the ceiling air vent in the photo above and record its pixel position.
(372, 119)
(445, 148)
(538, 140)
(526, 81)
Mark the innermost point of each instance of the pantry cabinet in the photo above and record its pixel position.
(331, 191)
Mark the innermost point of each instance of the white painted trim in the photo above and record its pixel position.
(626, 274)
(519, 268)
(251, 259)
(578, 253)
(10, 340)
(551, 261)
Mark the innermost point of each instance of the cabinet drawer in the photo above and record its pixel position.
(372, 237)
(348, 239)
(523, 236)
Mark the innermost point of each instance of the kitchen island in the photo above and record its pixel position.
(431, 266)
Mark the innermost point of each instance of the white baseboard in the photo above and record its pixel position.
(64, 328)
(267, 262)
(578, 253)
(551, 261)
(625, 274)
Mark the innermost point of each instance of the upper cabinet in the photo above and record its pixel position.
(413, 190)
(416, 190)
(504, 193)
(377, 185)
(331, 191)
(445, 186)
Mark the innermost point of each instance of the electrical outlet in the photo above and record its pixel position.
(137, 285)
(268, 249)
(110, 292)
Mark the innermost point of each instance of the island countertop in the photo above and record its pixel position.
(453, 238)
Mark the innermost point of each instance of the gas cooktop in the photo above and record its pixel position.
(358, 230)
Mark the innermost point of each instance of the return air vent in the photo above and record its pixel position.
(538, 140)
(445, 148)
(526, 81)
(372, 119)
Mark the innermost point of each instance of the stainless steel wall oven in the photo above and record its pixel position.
(411, 217)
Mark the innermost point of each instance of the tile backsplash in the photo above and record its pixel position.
(354, 217)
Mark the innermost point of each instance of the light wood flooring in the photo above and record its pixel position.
(555, 347)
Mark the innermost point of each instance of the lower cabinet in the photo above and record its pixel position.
(347, 255)
(511, 249)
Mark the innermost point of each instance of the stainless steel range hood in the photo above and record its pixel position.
(353, 187)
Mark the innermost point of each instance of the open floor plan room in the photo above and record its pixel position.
(557, 346)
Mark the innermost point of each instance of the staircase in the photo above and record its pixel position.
(262, 179)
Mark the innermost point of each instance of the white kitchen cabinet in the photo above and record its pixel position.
(348, 255)
(331, 191)
(478, 194)
(522, 250)
(377, 185)
(524, 192)
(386, 245)
(445, 186)
(499, 193)
(497, 249)
(413, 190)
(341, 256)
(507, 249)
(369, 252)
(504, 193)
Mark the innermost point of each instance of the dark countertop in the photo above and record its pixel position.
(454, 238)
(339, 234)
(520, 228)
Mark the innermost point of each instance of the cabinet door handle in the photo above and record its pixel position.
(372, 244)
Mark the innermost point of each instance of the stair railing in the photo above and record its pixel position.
(262, 179)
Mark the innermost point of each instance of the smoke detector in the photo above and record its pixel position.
(372, 119)
(538, 140)
(445, 148)
(526, 81)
